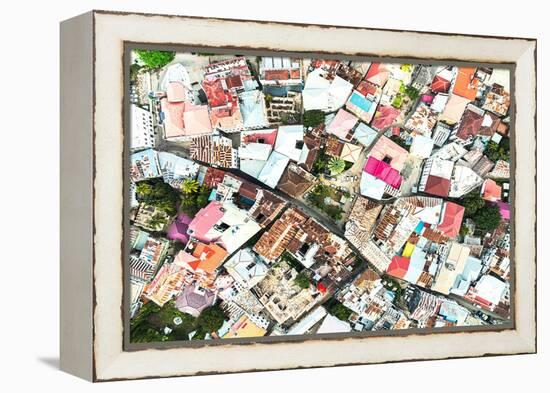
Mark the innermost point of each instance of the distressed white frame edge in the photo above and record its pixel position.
(111, 362)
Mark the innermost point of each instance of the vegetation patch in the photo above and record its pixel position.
(495, 151)
(302, 280)
(317, 198)
(339, 311)
(149, 325)
(313, 118)
(157, 193)
(194, 197)
(155, 59)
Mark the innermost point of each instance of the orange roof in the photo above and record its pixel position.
(209, 255)
(465, 83)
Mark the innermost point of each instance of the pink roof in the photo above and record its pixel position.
(427, 98)
(269, 137)
(197, 120)
(205, 219)
(184, 119)
(173, 117)
(385, 147)
(176, 92)
(342, 123)
(384, 117)
(378, 74)
(383, 171)
(452, 219)
(184, 257)
(504, 209)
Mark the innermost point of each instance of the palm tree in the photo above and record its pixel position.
(143, 189)
(190, 186)
(156, 221)
(336, 165)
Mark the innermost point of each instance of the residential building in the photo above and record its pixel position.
(142, 129)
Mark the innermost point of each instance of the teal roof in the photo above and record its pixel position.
(360, 101)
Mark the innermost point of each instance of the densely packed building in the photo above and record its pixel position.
(299, 196)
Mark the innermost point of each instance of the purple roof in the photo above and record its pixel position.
(193, 300)
(178, 229)
(383, 171)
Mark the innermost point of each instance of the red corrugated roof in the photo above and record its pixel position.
(437, 186)
(452, 219)
(399, 266)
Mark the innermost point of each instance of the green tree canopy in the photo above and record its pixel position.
(190, 186)
(210, 319)
(488, 217)
(472, 202)
(155, 59)
(159, 194)
(340, 311)
(302, 281)
(496, 152)
(412, 93)
(193, 201)
(148, 325)
(313, 118)
(336, 165)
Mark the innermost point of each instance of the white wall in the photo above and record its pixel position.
(29, 327)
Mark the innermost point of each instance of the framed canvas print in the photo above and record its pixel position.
(303, 196)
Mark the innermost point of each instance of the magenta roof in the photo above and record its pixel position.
(427, 98)
(504, 209)
(383, 171)
(178, 229)
(205, 219)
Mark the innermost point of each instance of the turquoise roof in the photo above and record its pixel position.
(361, 102)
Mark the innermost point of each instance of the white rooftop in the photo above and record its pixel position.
(246, 268)
(273, 169)
(463, 181)
(422, 146)
(372, 187)
(255, 151)
(290, 141)
(442, 168)
(331, 324)
(490, 288)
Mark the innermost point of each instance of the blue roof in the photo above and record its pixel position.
(361, 102)
(252, 109)
(212, 195)
(151, 170)
(364, 134)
